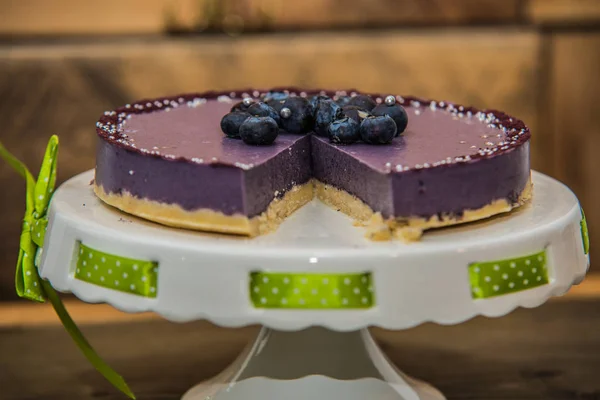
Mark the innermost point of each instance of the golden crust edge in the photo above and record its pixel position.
(410, 228)
(209, 220)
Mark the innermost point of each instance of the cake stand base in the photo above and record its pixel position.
(315, 363)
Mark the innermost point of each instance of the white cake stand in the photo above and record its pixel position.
(316, 353)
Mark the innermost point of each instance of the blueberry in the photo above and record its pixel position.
(275, 96)
(240, 107)
(230, 124)
(356, 113)
(345, 131)
(378, 130)
(343, 100)
(301, 118)
(276, 105)
(314, 100)
(261, 109)
(363, 101)
(396, 111)
(327, 111)
(259, 130)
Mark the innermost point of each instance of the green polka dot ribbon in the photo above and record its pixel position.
(28, 283)
(496, 278)
(39, 192)
(584, 233)
(127, 275)
(312, 291)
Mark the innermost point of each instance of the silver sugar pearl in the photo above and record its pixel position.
(285, 113)
(390, 100)
(247, 101)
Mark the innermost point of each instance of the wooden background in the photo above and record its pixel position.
(548, 353)
(63, 62)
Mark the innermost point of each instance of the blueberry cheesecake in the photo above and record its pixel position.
(240, 162)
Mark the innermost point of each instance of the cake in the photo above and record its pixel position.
(174, 161)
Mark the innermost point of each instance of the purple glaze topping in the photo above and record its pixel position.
(467, 133)
(432, 138)
(194, 133)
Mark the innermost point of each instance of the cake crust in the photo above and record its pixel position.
(410, 228)
(211, 220)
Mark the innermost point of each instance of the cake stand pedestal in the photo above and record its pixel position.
(320, 352)
(315, 363)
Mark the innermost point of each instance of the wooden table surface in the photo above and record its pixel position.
(551, 352)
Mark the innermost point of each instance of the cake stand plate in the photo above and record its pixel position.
(209, 276)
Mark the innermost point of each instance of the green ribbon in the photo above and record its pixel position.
(585, 236)
(117, 273)
(312, 291)
(496, 278)
(27, 280)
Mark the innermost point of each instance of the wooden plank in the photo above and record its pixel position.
(27, 314)
(64, 88)
(563, 12)
(332, 13)
(548, 353)
(72, 17)
(573, 112)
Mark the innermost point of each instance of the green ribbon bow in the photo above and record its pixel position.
(28, 282)
(585, 236)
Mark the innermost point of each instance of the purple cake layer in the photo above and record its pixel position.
(423, 192)
(450, 158)
(228, 189)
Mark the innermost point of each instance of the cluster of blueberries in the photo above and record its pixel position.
(346, 120)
